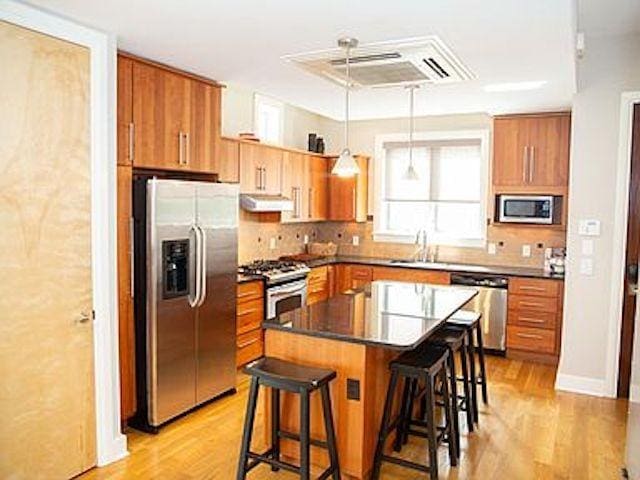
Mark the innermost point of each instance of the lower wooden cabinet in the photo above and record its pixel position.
(249, 314)
(320, 284)
(352, 276)
(534, 318)
(412, 275)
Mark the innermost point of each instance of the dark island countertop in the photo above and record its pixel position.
(444, 266)
(396, 315)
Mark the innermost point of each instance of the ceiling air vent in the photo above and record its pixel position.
(387, 64)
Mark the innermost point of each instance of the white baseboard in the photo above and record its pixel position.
(584, 385)
(116, 450)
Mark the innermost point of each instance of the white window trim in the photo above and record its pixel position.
(483, 135)
(263, 99)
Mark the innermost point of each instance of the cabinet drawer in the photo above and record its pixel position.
(250, 346)
(529, 318)
(534, 287)
(531, 303)
(411, 275)
(317, 296)
(249, 315)
(531, 339)
(249, 291)
(361, 273)
(317, 275)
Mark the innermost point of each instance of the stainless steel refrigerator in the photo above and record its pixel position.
(185, 268)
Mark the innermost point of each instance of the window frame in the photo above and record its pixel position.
(258, 100)
(381, 235)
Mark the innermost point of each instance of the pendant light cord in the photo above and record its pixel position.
(346, 121)
(411, 90)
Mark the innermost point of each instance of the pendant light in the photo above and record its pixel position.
(346, 165)
(411, 173)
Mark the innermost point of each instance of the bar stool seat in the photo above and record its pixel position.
(302, 380)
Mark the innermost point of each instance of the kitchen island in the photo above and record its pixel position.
(356, 333)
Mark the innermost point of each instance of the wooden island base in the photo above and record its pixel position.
(356, 420)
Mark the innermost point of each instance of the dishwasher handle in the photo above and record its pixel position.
(487, 281)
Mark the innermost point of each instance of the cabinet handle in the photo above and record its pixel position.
(531, 288)
(246, 294)
(132, 132)
(530, 304)
(531, 320)
(264, 178)
(131, 258)
(258, 178)
(187, 148)
(181, 149)
(532, 162)
(247, 312)
(525, 164)
(529, 335)
(354, 203)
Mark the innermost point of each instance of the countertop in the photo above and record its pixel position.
(394, 315)
(449, 267)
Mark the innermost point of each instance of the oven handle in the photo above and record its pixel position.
(284, 291)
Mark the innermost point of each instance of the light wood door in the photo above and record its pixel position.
(200, 140)
(272, 164)
(549, 139)
(46, 353)
(227, 161)
(510, 137)
(348, 196)
(161, 115)
(126, 126)
(295, 182)
(317, 193)
(260, 169)
(125, 295)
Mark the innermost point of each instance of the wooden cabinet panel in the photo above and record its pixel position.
(531, 339)
(250, 315)
(532, 318)
(125, 300)
(260, 169)
(250, 291)
(537, 304)
(161, 104)
(227, 161)
(411, 275)
(295, 184)
(318, 285)
(535, 287)
(125, 111)
(348, 196)
(203, 130)
(318, 190)
(509, 155)
(250, 346)
(352, 276)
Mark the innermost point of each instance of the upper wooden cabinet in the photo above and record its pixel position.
(166, 119)
(295, 182)
(227, 161)
(348, 196)
(260, 169)
(531, 151)
(318, 190)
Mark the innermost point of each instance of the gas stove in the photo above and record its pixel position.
(276, 271)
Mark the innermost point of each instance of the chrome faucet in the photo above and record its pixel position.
(423, 252)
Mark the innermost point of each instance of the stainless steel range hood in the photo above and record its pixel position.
(255, 202)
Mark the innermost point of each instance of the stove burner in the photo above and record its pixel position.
(275, 270)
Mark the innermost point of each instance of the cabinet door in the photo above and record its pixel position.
(250, 168)
(272, 171)
(549, 140)
(295, 182)
(227, 161)
(125, 111)
(510, 139)
(161, 111)
(200, 140)
(125, 300)
(317, 191)
(348, 196)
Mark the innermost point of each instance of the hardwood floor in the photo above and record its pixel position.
(528, 431)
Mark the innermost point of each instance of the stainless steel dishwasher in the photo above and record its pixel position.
(491, 301)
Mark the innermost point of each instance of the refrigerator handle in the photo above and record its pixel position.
(203, 266)
(193, 299)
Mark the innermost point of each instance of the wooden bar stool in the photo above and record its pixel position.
(471, 321)
(301, 380)
(427, 366)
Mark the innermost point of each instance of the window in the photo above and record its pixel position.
(449, 198)
(268, 119)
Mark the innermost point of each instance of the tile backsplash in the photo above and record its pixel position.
(255, 237)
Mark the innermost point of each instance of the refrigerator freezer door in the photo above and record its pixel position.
(217, 216)
(171, 254)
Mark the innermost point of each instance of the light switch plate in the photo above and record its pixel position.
(355, 240)
(587, 247)
(526, 250)
(589, 227)
(306, 239)
(491, 248)
(586, 266)
(272, 243)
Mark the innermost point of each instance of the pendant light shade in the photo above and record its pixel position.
(411, 173)
(346, 165)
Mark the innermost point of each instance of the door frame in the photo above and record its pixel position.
(627, 102)
(111, 444)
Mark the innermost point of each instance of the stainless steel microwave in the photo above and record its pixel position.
(540, 209)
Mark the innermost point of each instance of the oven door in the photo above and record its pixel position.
(526, 209)
(285, 297)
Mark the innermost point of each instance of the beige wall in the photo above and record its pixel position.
(610, 66)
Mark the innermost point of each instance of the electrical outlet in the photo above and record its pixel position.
(491, 248)
(586, 266)
(306, 239)
(272, 243)
(355, 240)
(526, 250)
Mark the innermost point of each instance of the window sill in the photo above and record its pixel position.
(389, 237)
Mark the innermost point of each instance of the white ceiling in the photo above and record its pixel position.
(241, 42)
